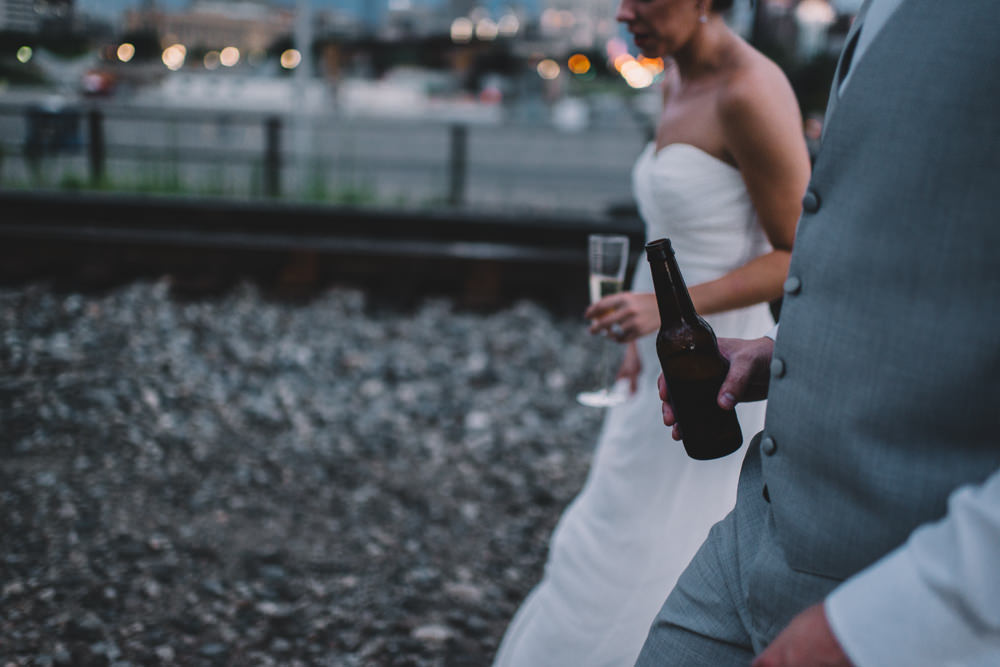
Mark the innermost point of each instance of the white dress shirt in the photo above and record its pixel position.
(934, 601)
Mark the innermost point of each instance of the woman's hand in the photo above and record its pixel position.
(625, 316)
(630, 368)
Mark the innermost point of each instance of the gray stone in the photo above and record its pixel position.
(329, 482)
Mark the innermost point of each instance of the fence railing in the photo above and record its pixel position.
(322, 158)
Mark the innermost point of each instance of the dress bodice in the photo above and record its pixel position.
(701, 204)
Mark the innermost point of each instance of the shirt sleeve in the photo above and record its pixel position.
(772, 333)
(936, 599)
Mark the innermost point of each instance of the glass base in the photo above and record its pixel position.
(604, 398)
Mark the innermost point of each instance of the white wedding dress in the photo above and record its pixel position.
(646, 507)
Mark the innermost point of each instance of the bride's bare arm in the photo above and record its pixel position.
(762, 129)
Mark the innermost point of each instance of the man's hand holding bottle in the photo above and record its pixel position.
(747, 379)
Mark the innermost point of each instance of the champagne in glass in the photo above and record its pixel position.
(608, 260)
(602, 286)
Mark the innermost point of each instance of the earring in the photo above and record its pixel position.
(704, 15)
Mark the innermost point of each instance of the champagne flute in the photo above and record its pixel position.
(608, 260)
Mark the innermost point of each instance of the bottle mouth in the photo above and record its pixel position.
(659, 249)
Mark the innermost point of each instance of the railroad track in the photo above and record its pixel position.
(90, 240)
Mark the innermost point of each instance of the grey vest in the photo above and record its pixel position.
(885, 391)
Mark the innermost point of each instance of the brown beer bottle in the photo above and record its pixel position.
(692, 365)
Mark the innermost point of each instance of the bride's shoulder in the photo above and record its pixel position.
(754, 84)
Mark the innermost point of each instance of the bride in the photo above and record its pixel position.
(723, 180)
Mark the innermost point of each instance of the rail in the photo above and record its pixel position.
(486, 258)
(325, 157)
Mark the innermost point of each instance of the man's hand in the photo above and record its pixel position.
(806, 642)
(747, 380)
(749, 373)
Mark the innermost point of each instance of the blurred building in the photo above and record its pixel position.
(804, 29)
(460, 7)
(33, 15)
(338, 24)
(249, 25)
(579, 24)
(18, 15)
(405, 19)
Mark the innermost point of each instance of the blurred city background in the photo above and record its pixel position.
(406, 104)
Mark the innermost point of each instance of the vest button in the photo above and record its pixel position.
(793, 285)
(768, 446)
(810, 202)
(777, 367)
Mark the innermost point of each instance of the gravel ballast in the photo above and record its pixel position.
(241, 480)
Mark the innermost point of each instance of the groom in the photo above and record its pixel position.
(867, 527)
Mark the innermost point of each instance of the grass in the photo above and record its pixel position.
(167, 179)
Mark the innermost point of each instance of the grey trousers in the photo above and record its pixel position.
(738, 592)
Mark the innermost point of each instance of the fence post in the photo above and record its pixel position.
(272, 156)
(457, 165)
(96, 150)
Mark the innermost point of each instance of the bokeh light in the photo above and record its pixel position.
(229, 56)
(24, 54)
(508, 25)
(461, 30)
(615, 48)
(211, 60)
(815, 11)
(636, 75)
(654, 65)
(548, 69)
(174, 56)
(125, 52)
(556, 20)
(486, 30)
(551, 20)
(621, 59)
(640, 73)
(579, 64)
(290, 58)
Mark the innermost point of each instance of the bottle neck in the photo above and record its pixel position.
(672, 296)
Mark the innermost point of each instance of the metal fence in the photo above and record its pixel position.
(318, 158)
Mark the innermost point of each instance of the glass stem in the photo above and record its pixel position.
(605, 370)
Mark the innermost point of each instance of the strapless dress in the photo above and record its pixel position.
(646, 507)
